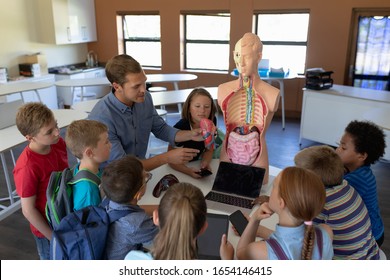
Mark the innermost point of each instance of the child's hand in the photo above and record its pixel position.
(205, 165)
(195, 173)
(260, 199)
(226, 249)
(263, 212)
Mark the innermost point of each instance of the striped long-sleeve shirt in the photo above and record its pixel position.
(348, 217)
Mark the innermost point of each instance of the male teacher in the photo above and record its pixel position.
(130, 115)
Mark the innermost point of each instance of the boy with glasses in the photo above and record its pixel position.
(45, 153)
(124, 183)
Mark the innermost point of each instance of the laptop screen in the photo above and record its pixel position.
(239, 179)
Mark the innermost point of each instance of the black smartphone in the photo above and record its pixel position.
(239, 221)
(205, 172)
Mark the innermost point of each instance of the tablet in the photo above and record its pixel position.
(209, 242)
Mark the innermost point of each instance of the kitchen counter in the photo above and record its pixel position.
(73, 69)
(26, 88)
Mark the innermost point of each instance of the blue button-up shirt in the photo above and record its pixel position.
(130, 127)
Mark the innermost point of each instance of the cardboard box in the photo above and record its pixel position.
(40, 59)
(30, 70)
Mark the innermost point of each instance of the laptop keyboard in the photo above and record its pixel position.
(228, 199)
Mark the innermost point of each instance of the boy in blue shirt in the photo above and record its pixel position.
(362, 144)
(124, 182)
(88, 141)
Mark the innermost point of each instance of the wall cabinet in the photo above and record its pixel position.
(66, 21)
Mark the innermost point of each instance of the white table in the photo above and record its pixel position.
(280, 81)
(172, 78)
(11, 88)
(326, 113)
(151, 78)
(82, 83)
(11, 137)
(380, 116)
(205, 184)
(159, 98)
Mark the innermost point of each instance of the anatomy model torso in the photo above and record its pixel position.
(244, 112)
(248, 105)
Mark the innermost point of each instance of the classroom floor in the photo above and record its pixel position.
(17, 243)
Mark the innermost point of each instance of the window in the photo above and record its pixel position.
(142, 39)
(284, 38)
(206, 42)
(372, 63)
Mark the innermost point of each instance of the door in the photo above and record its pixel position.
(369, 60)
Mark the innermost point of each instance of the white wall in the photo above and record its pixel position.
(17, 38)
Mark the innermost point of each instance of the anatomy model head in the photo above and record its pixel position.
(247, 54)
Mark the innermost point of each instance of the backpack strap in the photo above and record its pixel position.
(84, 174)
(319, 239)
(274, 244)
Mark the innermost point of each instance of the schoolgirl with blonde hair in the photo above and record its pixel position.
(181, 217)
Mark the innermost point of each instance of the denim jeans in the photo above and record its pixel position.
(43, 247)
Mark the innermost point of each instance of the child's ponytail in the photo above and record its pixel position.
(182, 214)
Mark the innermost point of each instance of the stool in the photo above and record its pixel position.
(158, 89)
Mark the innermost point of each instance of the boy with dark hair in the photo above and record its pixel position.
(344, 210)
(362, 144)
(88, 141)
(45, 153)
(124, 183)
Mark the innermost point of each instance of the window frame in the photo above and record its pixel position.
(184, 15)
(282, 43)
(140, 39)
(349, 75)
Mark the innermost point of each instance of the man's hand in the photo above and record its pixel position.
(181, 155)
(196, 134)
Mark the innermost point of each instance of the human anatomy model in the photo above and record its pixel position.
(248, 105)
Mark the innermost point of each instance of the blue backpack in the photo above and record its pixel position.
(82, 234)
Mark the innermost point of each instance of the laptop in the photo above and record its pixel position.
(209, 242)
(235, 187)
(8, 113)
